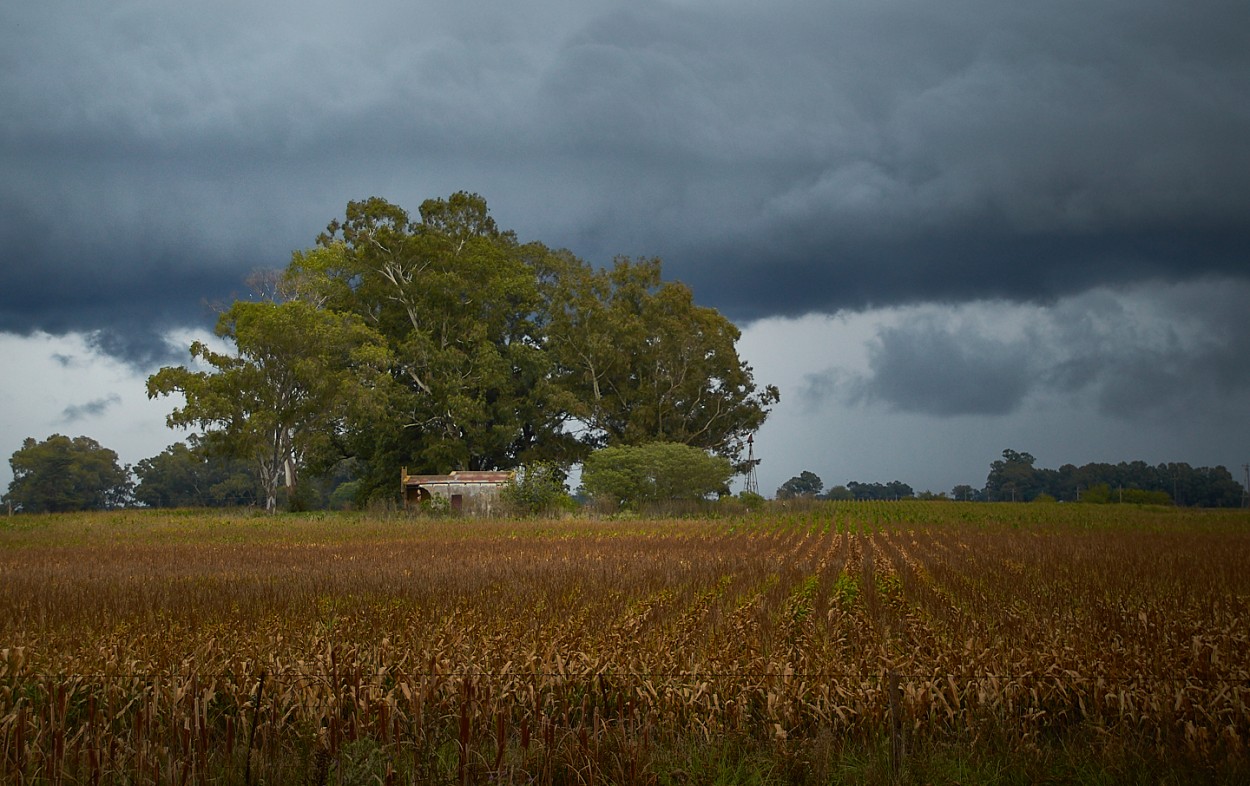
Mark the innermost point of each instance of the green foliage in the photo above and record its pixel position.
(642, 363)
(895, 489)
(805, 484)
(839, 493)
(964, 493)
(1143, 497)
(298, 373)
(1098, 494)
(538, 489)
(192, 476)
(440, 342)
(846, 590)
(62, 474)
(456, 303)
(344, 496)
(435, 506)
(633, 475)
(1013, 478)
(1102, 494)
(1016, 478)
(751, 501)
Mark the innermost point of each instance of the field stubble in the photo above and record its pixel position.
(148, 648)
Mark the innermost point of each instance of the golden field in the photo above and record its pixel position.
(887, 642)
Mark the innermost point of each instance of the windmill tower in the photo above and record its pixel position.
(1245, 490)
(753, 481)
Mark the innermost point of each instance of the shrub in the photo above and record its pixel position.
(750, 500)
(633, 475)
(538, 489)
(1143, 497)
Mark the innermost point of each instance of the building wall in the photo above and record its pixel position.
(475, 497)
(469, 492)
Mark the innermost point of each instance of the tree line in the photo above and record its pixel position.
(64, 474)
(442, 342)
(1014, 478)
(807, 484)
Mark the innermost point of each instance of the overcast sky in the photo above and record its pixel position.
(945, 229)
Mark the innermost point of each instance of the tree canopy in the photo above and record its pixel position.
(455, 301)
(441, 342)
(895, 489)
(804, 484)
(192, 476)
(633, 475)
(1015, 477)
(644, 363)
(62, 474)
(297, 373)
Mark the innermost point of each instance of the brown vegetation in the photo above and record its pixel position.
(158, 648)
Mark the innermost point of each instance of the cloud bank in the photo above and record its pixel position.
(801, 157)
(1143, 352)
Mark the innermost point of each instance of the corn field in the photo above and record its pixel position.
(156, 648)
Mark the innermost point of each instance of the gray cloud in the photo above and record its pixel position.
(965, 153)
(90, 409)
(1153, 352)
(1165, 353)
(923, 367)
(797, 157)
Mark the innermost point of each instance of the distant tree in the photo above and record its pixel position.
(1208, 487)
(633, 475)
(62, 474)
(895, 489)
(1097, 494)
(344, 496)
(805, 484)
(963, 492)
(281, 398)
(335, 486)
(862, 491)
(839, 493)
(438, 341)
(1137, 481)
(1013, 478)
(191, 476)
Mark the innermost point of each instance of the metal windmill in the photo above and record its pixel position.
(1245, 490)
(753, 481)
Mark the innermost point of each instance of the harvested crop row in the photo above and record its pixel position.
(441, 650)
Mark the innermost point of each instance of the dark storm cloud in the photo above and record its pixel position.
(1189, 351)
(153, 158)
(921, 367)
(785, 158)
(1149, 352)
(90, 409)
(836, 157)
(124, 295)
